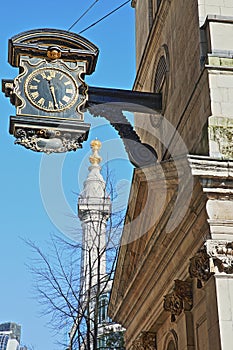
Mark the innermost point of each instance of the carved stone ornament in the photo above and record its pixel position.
(200, 267)
(178, 300)
(221, 253)
(145, 341)
(221, 136)
(48, 140)
(174, 304)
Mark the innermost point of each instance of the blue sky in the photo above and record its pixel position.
(25, 176)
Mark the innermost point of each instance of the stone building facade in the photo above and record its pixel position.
(173, 286)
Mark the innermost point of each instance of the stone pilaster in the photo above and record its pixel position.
(216, 177)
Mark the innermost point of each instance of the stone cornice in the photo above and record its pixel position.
(216, 176)
(218, 18)
(207, 167)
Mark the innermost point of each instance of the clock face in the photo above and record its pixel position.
(51, 89)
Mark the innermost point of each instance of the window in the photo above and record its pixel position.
(3, 341)
(160, 74)
(103, 308)
(171, 346)
(102, 343)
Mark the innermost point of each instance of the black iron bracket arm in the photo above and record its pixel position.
(139, 154)
(133, 101)
(110, 104)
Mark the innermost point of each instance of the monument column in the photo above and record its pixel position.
(94, 208)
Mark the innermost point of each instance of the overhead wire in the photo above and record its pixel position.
(107, 15)
(82, 15)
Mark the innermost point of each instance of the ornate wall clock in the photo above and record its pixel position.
(49, 93)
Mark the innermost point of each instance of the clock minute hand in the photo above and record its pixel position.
(51, 88)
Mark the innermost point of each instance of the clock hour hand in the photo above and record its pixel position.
(52, 90)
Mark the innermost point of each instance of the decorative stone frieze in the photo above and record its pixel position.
(174, 304)
(184, 290)
(180, 299)
(48, 140)
(145, 341)
(200, 267)
(221, 137)
(221, 253)
(220, 61)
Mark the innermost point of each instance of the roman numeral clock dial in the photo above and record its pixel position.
(51, 89)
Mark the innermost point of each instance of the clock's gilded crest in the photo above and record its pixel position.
(50, 92)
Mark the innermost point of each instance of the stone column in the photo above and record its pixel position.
(94, 209)
(216, 177)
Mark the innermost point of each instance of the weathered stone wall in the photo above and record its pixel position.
(219, 32)
(186, 103)
(186, 54)
(142, 24)
(199, 78)
(214, 7)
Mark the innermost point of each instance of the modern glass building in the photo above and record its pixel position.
(7, 343)
(10, 333)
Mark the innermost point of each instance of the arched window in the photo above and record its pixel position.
(160, 74)
(171, 341)
(103, 308)
(171, 346)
